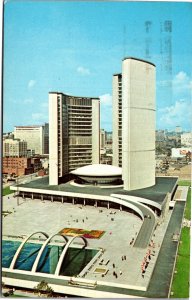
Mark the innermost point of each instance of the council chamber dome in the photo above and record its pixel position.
(99, 173)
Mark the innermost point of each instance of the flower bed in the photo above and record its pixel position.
(90, 234)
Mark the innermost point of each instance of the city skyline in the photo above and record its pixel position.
(75, 47)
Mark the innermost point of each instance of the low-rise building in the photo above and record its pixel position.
(180, 152)
(36, 164)
(17, 165)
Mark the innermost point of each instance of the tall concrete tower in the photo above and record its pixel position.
(138, 123)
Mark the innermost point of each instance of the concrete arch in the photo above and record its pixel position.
(58, 268)
(127, 204)
(36, 262)
(15, 257)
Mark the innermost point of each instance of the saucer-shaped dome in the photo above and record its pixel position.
(98, 173)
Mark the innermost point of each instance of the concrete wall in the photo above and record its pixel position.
(95, 131)
(53, 138)
(115, 120)
(138, 130)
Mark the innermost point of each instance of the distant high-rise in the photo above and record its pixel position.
(134, 123)
(14, 148)
(33, 135)
(102, 138)
(74, 130)
(46, 138)
(178, 129)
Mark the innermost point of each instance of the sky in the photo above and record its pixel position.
(76, 47)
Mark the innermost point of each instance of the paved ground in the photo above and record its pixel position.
(51, 217)
(181, 193)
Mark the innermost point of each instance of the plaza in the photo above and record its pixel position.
(118, 253)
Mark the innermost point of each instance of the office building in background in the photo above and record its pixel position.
(34, 136)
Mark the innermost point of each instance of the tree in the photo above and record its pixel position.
(43, 288)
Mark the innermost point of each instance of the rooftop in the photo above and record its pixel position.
(155, 193)
(139, 59)
(83, 97)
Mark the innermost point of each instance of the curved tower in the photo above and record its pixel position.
(138, 123)
(74, 128)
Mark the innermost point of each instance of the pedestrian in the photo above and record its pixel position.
(113, 265)
(120, 272)
(125, 257)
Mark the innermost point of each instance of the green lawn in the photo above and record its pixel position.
(7, 191)
(184, 182)
(180, 285)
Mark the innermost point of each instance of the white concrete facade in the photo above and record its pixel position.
(95, 131)
(53, 137)
(74, 130)
(117, 120)
(138, 124)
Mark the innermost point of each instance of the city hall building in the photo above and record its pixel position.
(76, 177)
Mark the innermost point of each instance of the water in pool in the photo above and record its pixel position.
(75, 261)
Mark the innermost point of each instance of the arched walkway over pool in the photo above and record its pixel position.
(15, 257)
(58, 268)
(36, 262)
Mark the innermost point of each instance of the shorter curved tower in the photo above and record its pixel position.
(74, 130)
